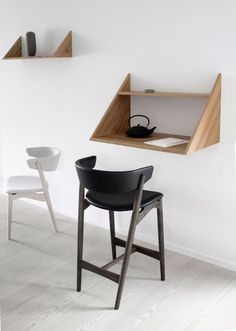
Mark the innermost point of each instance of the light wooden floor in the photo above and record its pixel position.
(37, 284)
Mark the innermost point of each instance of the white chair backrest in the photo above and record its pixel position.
(47, 157)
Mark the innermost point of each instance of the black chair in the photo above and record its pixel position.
(117, 191)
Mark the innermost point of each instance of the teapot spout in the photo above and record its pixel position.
(151, 130)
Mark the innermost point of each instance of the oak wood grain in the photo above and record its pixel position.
(122, 139)
(15, 50)
(114, 123)
(115, 119)
(65, 48)
(166, 94)
(208, 129)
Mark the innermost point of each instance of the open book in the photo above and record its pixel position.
(166, 142)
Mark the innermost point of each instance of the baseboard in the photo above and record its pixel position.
(56, 210)
(182, 250)
(201, 256)
(65, 212)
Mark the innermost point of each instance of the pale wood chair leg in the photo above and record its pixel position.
(49, 204)
(10, 209)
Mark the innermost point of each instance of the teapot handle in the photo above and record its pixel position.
(138, 116)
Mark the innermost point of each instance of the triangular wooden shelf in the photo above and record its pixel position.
(63, 50)
(15, 50)
(114, 123)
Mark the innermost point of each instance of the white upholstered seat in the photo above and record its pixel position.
(19, 184)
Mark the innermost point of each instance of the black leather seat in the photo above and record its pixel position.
(121, 202)
(117, 191)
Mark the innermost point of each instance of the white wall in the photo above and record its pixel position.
(178, 45)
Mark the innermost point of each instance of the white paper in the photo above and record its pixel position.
(166, 142)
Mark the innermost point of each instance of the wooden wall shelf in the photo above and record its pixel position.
(114, 123)
(166, 94)
(63, 50)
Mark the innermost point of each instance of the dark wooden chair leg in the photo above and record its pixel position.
(80, 237)
(129, 242)
(112, 232)
(128, 249)
(161, 239)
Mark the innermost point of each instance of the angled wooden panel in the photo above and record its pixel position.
(15, 50)
(115, 119)
(208, 129)
(65, 48)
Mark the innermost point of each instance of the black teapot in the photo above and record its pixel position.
(139, 131)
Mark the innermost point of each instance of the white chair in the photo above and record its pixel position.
(43, 159)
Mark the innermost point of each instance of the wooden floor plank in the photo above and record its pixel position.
(38, 276)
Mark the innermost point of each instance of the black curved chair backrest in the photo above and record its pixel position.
(109, 181)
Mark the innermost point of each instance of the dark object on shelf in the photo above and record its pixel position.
(149, 90)
(113, 125)
(31, 43)
(63, 50)
(117, 191)
(139, 131)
